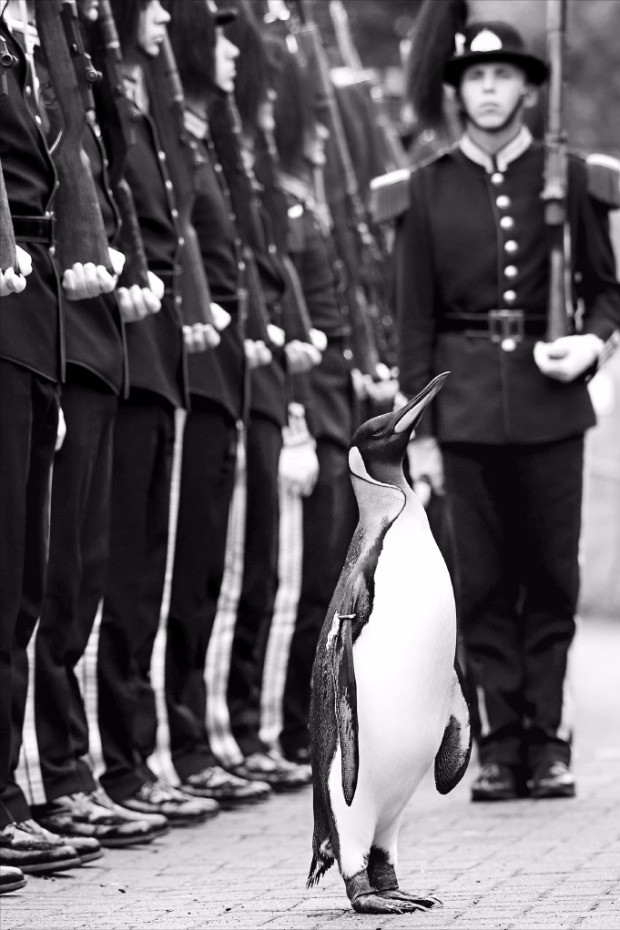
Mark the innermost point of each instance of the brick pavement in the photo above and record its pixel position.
(522, 864)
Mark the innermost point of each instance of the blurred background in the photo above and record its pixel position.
(380, 29)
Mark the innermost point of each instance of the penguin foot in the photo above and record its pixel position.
(378, 904)
(421, 903)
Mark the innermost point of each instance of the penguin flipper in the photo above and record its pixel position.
(345, 689)
(454, 753)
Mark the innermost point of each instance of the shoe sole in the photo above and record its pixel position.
(91, 856)
(40, 868)
(543, 793)
(13, 886)
(227, 804)
(500, 796)
(122, 842)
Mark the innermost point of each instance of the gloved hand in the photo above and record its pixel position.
(426, 467)
(568, 357)
(13, 280)
(299, 464)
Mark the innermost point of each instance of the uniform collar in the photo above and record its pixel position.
(501, 159)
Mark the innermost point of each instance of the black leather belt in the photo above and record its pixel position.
(34, 228)
(507, 327)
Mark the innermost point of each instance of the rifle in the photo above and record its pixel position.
(183, 159)
(355, 243)
(395, 156)
(8, 255)
(114, 109)
(80, 231)
(559, 308)
(298, 324)
(225, 127)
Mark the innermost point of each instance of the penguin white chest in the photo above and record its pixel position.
(404, 658)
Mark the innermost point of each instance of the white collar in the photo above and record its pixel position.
(503, 157)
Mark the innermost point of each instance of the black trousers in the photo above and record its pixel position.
(260, 583)
(515, 513)
(29, 415)
(207, 484)
(139, 516)
(329, 517)
(78, 551)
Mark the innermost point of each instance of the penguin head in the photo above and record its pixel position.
(382, 442)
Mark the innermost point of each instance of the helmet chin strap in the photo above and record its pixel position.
(494, 130)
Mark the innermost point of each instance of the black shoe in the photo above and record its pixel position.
(182, 810)
(11, 879)
(552, 779)
(227, 789)
(273, 768)
(300, 755)
(81, 815)
(29, 847)
(496, 782)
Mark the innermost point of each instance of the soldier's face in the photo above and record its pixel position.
(492, 94)
(226, 55)
(152, 28)
(315, 140)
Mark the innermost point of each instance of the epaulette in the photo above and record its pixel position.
(604, 179)
(390, 194)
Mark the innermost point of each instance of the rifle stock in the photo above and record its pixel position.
(559, 308)
(114, 110)
(8, 254)
(80, 231)
(167, 106)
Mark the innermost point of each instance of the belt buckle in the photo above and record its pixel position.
(507, 328)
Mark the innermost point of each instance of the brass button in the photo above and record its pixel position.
(168, 184)
(511, 246)
(503, 201)
(510, 296)
(497, 178)
(510, 271)
(506, 222)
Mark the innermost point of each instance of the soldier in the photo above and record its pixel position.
(206, 61)
(472, 281)
(96, 373)
(31, 366)
(329, 511)
(142, 465)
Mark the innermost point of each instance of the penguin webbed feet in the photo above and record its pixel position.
(365, 899)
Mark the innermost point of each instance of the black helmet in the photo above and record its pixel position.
(492, 41)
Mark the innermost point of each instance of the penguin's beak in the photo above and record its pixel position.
(407, 418)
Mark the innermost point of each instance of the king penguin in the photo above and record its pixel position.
(387, 698)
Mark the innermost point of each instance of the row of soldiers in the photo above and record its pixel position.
(174, 249)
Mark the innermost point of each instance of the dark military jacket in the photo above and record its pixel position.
(218, 374)
(155, 344)
(473, 241)
(30, 323)
(329, 396)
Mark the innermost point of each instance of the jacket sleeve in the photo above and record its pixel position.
(595, 265)
(415, 293)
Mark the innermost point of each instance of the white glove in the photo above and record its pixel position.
(301, 357)
(199, 337)
(299, 464)
(568, 357)
(221, 317)
(83, 281)
(426, 467)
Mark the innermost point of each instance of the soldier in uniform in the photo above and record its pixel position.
(96, 375)
(329, 512)
(31, 367)
(206, 60)
(472, 282)
(142, 464)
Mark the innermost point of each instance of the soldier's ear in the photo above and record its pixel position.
(530, 96)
